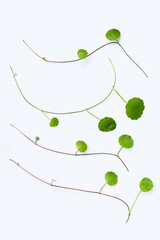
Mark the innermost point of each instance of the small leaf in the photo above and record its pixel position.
(146, 184)
(15, 74)
(44, 58)
(54, 122)
(82, 53)
(126, 141)
(37, 138)
(113, 34)
(135, 108)
(81, 146)
(111, 178)
(107, 124)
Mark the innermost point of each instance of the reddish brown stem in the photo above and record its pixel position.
(68, 61)
(70, 154)
(70, 188)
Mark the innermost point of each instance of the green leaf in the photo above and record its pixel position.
(126, 141)
(82, 53)
(81, 146)
(113, 34)
(37, 138)
(111, 178)
(107, 124)
(54, 122)
(135, 108)
(146, 184)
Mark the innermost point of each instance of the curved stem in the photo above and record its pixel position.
(133, 205)
(45, 115)
(102, 187)
(119, 151)
(68, 61)
(92, 114)
(76, 60)
(63, 113)
(70, 188)
(76, 153)
(119, 95)
(70, 154)
(131, 58)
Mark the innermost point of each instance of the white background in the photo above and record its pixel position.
(56, 30)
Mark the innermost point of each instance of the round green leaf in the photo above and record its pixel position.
(37, 138)
(54, 122)
(135, 108)
(113, 34)
(146, 184)
(107, 124)
(111, 178)
(126, 141)
(82, 53)
(81, 146)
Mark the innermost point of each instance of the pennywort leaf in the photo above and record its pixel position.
(82, 53)
(81, 146)
(111, 178)
(54, 122)
(126, 141)
(37, 138)
(107, 124)
(113, 34)
(146, 184)
(135, 108)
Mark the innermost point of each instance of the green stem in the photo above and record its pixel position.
(45, 115)
(133, 205)
(135, 200)
(102, 187)
(76, 152)
(119, 151)
(63, 113)
(119, 95)
(92, 114)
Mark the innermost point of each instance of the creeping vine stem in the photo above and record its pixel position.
(76, 60)
(62, 113)
(70, 154)
(73, 189)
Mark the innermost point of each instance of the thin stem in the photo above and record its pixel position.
(63, 113)
(76, 153)
(131, 58)
(69, 188)
(45, 115)
(92, 114)
(119, 95)
(135, 200)
(21, 91)
(66, 153)
(102, 187)
(133, 205)
(119, 151)
(76, 60)
(68, 61)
